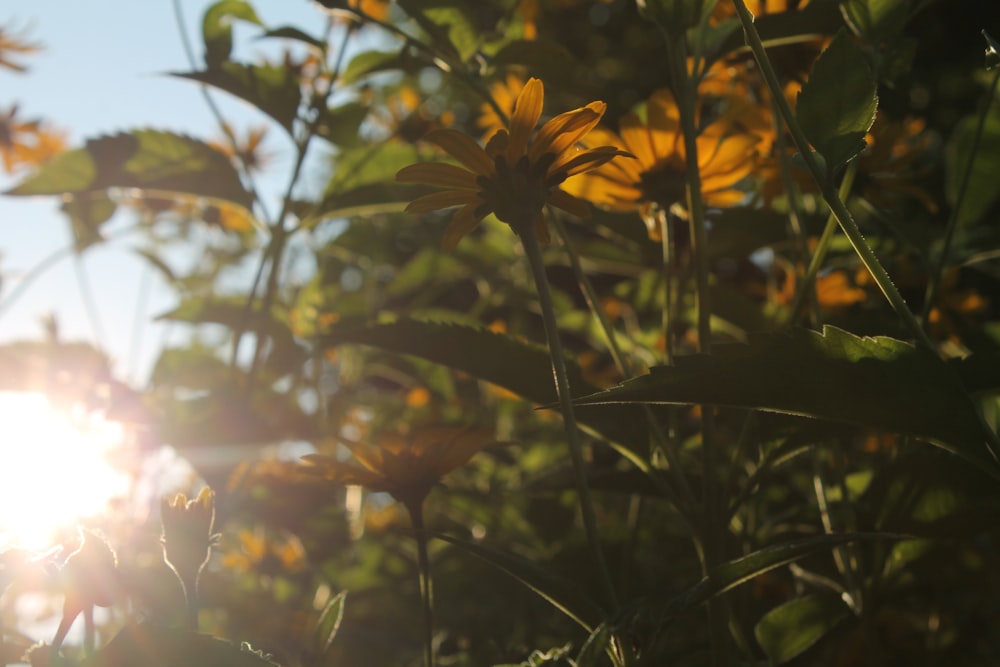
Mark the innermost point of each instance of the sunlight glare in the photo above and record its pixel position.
(54, 469)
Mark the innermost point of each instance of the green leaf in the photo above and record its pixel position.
(731, 574)
(86, 213)
(878, 383)
(370, 164)
(340, 125)
(547, 59)
(836, 106)
(370, 62)
(329, 624)
(876, 21)
(448, 22)
(145, 159)
(791, 628)
(562, 594)
(297, 35)
(521, 367)
(216, 27)
(981, 193)
(274, 89)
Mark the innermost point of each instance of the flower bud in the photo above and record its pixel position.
(187, 535)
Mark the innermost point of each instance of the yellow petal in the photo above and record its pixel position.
(439, 174)
(565, 130)
(527, 111)
(638, 141)
(463, 148)
(439, 200)
(569, 203)
(576, 163)
(463, 222)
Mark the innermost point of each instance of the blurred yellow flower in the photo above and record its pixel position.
(894, 161)
(14, 45)
(405, 466)
(260, 551)
(725, 9)
(26, 143)
(244, 151)
(514, 176)
(656, 178)
(504, 93)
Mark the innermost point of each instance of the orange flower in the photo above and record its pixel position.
(656, 179)
(514, 176)
(405, 466)
(26, 143)
(14, 44)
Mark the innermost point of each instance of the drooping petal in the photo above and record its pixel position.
(575, 163)
(527, 111)
(566, 130)
(463, 148)
(438, 174)
(438, 200)
(463, 222)
(569, 203)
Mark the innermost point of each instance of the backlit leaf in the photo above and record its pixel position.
(791, 628)
(217, 30)
(274, 89)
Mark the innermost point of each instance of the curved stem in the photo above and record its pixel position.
(533, 250)
(416, 512)
(839, 209)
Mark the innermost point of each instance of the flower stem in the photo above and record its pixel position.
(416, 512)
(533, 250)
(837, 206)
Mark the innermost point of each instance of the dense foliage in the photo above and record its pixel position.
(757, 255)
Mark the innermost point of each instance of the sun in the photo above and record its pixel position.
(54, 469)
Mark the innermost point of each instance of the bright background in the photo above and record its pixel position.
(103, 70)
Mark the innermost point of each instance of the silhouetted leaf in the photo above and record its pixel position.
(982, 191)
(876, 21)
(836, 106)
(156, 646)
(295, 34)
(274, 89)
(150, 160)
(879, 383)
(329, 624)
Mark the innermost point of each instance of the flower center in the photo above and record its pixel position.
(663, 185)
(517, 194)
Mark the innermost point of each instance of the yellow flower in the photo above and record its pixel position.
(26, 143)
(187, 535)
(405, 466)
(14, 44)
(726, 9)
(504, 93)
(514, 176)
(656, 178)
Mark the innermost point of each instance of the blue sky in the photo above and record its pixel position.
(103, 71)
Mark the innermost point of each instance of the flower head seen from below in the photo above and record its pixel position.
(187, 535)
(405, 466)
(515, 175)
(655, 180)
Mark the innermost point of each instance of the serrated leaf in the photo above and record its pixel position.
(793, 627)
(836, 106)
(329, 624)
(273, 89)
(564, 595)
(217, 30)
(145, 159)
(878, 383)
(518, 366)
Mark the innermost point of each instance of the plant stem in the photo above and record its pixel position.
(533, 250)
(426, 590)
(844, 217)
(935, 278)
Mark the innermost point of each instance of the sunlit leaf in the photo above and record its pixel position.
(370, 62)
(793, 627)
(329, 623)
(217, 28)
(836, 106)
(879, 383)
(876, 21)
(447, 21)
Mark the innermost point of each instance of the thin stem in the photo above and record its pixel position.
(844, 217)
(416, 512)
(816, 261)
(533, 250)
(667, 249)
(935, 278)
